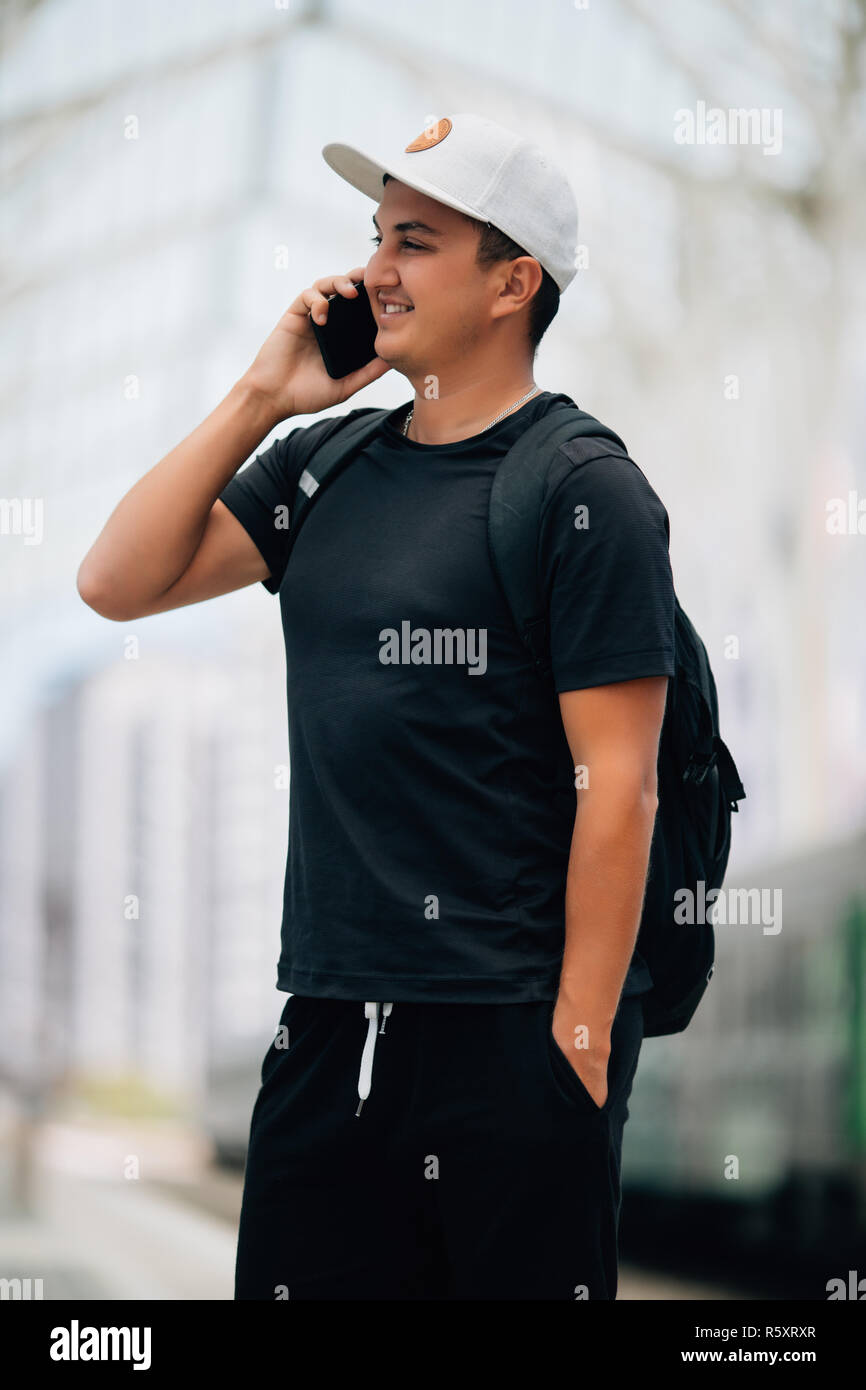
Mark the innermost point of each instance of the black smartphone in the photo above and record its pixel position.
(346, 337)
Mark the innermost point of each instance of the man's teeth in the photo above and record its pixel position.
(397, 308)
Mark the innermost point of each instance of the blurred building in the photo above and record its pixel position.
(164, 199)
(143, 825)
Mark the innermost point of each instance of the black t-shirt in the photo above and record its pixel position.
(432, 790)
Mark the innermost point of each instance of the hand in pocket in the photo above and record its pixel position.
(589, 1059)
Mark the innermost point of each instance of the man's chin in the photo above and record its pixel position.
(400, 361)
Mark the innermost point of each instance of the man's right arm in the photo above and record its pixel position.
(171, 541)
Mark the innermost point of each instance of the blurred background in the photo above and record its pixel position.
(164, 200)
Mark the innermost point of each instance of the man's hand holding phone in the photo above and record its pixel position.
(289, 372)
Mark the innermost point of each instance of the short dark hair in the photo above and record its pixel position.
(493, 246)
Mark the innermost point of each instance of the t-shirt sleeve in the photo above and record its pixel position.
(262, 494)
(605, 567)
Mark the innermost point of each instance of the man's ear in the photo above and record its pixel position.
(521, 281)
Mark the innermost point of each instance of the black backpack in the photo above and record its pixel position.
(698, 782)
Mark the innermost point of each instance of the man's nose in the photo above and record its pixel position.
(379, 272)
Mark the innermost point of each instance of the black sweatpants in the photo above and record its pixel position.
(479, 1166)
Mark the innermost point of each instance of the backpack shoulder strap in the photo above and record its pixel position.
(329, 460)
(514, 518)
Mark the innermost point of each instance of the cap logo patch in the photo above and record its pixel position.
(430, 135)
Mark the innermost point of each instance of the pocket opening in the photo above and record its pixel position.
(564, 1075)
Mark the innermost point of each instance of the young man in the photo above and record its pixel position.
(459, 925)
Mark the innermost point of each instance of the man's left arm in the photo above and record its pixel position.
(613, 731)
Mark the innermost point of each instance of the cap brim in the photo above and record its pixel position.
(365, 174)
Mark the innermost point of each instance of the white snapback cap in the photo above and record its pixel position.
(490, 173)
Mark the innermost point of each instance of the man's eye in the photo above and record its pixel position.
(412, 245)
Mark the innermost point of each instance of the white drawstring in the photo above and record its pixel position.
(365, 1077)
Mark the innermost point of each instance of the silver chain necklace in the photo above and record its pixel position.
(408, 420)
